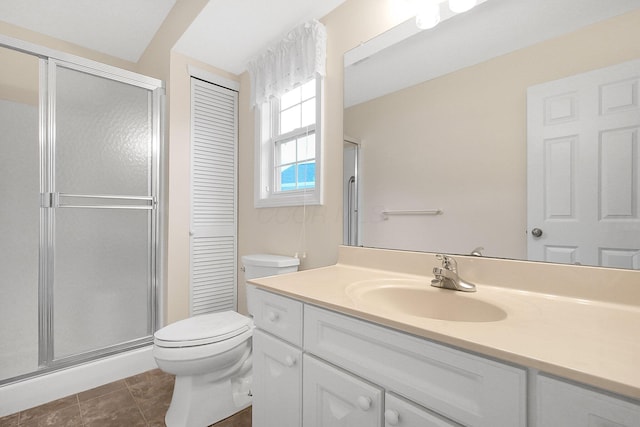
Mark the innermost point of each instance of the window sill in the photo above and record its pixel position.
(289, 199)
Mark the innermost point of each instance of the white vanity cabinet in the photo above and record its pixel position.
(559, 403)
(316, 368)
(337, 369)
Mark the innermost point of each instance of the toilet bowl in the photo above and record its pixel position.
(210, 355)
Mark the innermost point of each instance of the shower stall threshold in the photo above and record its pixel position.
(38, 390)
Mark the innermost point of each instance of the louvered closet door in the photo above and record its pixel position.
(213, 197)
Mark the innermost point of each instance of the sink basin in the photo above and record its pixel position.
(418, 298)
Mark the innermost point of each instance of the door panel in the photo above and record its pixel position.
(100, 291)
(213, 242)
(103, 135)
(583, 168)
(277, 382)
(334, 398)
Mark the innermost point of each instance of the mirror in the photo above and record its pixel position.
(441, 120)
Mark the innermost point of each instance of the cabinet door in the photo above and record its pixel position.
(334, 398)
(277, 382)
(567, 405)
(401, 413)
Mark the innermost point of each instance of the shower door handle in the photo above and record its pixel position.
(97, 201)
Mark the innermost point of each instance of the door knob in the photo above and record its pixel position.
(536, 232)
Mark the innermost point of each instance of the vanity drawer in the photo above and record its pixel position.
(463, 387)
(278, 315)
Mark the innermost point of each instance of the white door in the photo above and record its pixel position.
(583, 168)
(214, 136)
(334, 398)
(277, 382)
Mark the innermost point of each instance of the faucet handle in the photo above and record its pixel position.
(448, 263)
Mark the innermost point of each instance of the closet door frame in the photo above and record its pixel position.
(213, 281)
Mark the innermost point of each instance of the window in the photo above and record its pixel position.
(289, 148)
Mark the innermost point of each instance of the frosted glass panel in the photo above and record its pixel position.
(102, 252)
(19, 213)
(102, 278)
(103, 136)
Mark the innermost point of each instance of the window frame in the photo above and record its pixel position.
(267, 121)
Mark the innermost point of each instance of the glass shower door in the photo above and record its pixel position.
(101, 272)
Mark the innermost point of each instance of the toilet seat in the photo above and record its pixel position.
(202, 330)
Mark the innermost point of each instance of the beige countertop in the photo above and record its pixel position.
(586, 340)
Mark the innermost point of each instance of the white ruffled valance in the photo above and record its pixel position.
(297, 58)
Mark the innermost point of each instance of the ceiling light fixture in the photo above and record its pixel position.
(428, 13)
(460, 6)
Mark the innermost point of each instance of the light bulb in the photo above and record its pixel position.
(428, 14)
(459, 6)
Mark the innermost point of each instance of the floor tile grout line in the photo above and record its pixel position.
(136, 401)
(79, 409)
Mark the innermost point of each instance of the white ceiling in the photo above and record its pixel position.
(120, 28)
(226, 34)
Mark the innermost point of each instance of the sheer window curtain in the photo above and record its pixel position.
(297, 58)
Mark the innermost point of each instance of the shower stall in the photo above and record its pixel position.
(79, 177)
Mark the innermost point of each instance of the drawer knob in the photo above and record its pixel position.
(289, 361)
(364, 403)
(392, 417)
(272, 316)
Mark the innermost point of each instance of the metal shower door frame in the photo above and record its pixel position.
(51, 201)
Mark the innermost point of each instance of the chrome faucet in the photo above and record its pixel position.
(447, 276)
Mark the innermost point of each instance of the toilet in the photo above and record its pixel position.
(210, 355)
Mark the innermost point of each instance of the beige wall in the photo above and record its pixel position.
(19, 77)
(458, 143)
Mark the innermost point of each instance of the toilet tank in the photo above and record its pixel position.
(263, 265)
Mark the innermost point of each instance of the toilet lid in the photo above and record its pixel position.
(202, 329)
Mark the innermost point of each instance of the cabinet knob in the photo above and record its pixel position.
(272, 316)
(364, 403)
(289, 361)
(392, 417)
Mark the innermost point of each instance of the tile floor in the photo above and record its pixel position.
(141, 400)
